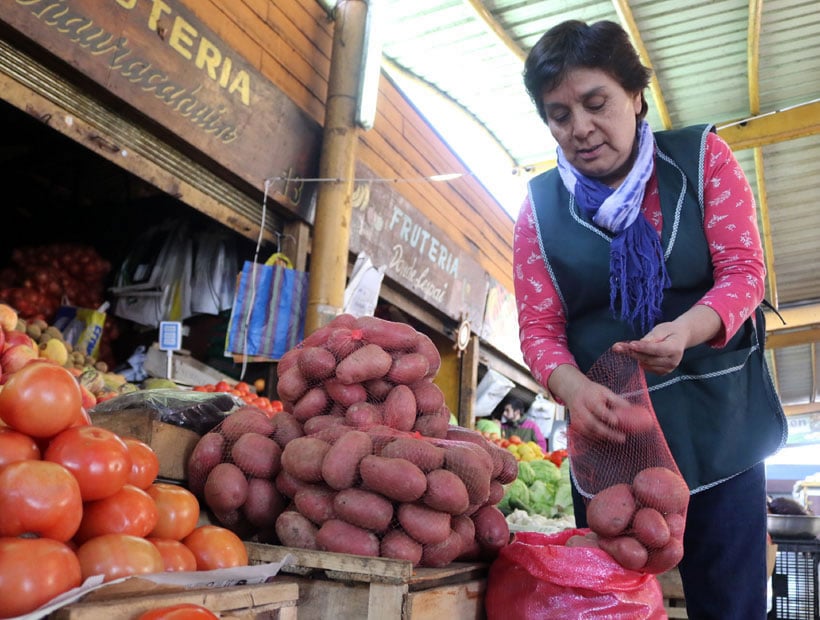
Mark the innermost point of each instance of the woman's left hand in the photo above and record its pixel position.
(660, 351)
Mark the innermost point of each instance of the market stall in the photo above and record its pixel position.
(112, 193)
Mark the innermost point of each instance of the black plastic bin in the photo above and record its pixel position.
(795, 590)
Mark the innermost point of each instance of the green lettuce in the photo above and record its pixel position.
(526, 473)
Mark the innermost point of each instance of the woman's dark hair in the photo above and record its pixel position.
(575, 44)
(516, 403)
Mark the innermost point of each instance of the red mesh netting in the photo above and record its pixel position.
(636, 499)
(363, 459)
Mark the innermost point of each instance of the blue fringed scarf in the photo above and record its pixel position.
(637, 272)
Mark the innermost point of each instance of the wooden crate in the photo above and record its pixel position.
(672, 589)
(265, 601)
(338, 585)
(173, 444)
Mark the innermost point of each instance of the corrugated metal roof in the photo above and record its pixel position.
(700, 53)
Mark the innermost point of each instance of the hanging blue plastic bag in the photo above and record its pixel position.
(268, 314)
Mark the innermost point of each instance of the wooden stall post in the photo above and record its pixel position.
(469, 379)
(331, 230)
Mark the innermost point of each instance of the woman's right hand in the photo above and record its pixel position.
(591, 406)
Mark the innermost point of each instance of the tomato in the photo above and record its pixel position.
(243, 387)
(222, 386)
(82, 419)
(33, 571)
(175, 555)
(181, 611)
(216, 547)
(118, 555)
(128, 511)
(97, 457)
(557, 456)
(177, 508)
(144, 463)
(16, 446)
(39, 497)
(40, 400)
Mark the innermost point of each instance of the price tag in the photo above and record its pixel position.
(170, 336)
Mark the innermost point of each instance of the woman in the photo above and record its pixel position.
(647, 244)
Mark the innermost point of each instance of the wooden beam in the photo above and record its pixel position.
(765, 225)
(753, 54)
(628, 22)
(793, 338)
(494, 28)
(82, 119)
(530, 170)
(795, 318)
(791, 123)
(804, 409)
(510, 370)
(469, 381)
(802, 327)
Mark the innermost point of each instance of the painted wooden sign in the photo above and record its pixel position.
(415, 253)
(159, 58)
(500, 326)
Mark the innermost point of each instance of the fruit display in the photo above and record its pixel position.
(22, 341)
(525, 450)
(40, 277)
(79, 500)
(362, 459)
(250, 395)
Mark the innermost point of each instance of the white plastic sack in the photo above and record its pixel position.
(362, 291)
(154, 288)
(214, 273)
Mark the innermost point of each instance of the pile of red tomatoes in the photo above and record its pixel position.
(243, 390)
(78, 500)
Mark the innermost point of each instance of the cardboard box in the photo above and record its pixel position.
(172, 444)
(185, 370)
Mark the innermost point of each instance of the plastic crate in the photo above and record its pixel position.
(795, 589)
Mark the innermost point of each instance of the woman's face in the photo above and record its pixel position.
(594, 120)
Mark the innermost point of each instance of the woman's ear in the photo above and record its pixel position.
(641, 106)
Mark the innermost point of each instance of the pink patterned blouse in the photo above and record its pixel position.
(730, 225)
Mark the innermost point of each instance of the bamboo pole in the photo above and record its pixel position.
(331, 229)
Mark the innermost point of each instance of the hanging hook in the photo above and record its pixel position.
(279, 237)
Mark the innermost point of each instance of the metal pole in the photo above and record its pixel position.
(331, 230)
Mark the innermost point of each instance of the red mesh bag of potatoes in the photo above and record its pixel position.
(367, 462)
(636, 499)
(233, 468)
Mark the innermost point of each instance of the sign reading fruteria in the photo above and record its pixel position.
(415, 253)
(159, 58)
